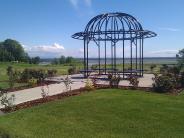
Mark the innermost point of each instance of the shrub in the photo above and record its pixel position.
(38, 74)
(163, 83)
(133, 81)
(89, 85)
(114, 80)
(94, 67)
(94, 80)
(164, 69)
(12, 76)
(182, 79)
(51, 72)
(45, 91)
(174, 70)
(72, 70)
(67, 82)
(32, 82)
(152, 67)
(7, 101)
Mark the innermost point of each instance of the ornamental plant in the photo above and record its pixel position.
(133, 80)
(67, 82)
(89, 85)
(7, 100)
(163, 83)
(12, 76)
(45, 91)
(114, 80)
(32, 82)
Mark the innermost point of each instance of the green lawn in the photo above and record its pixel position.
(101, 114)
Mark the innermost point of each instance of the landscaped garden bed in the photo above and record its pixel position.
(44, 100)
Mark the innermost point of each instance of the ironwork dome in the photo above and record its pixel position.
(115, 30)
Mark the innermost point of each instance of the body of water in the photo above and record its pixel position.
(153, 60)
(93, 61)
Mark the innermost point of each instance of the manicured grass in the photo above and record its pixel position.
(101, 114)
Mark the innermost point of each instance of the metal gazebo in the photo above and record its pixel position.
(115, 31)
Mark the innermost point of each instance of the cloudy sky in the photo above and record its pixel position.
(44, 27)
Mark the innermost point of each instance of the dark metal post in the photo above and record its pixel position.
(99, 57)
(131, 53)
(142, 58)
(85, 58)
(123, 55)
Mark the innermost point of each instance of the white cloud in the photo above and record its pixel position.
(169, 29)
(54, 50)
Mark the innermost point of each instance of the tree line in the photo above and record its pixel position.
(65, 60)
(12, 50)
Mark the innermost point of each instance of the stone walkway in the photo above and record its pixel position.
(35, 93)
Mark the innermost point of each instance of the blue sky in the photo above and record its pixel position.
(45, 27)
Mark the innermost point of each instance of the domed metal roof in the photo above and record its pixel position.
(111, 26)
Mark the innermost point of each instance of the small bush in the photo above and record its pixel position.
(12, 76)
(89, 85)
(38, 74)
(7, 101)
(72, 70)
(45, 91)
(67, 82)
(51, 72)
(32, 82)
(94, 80)
(163, 83)
(182, 79)
(94, 67)
(114, 80)
(133, 81)
(152, 67)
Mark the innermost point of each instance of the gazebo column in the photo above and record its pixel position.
(85, 58)
(136, 53)
(131, 54)
(123, 55)
(99, 62)
(105, 57)
(142, 57)
(115, 56)
(112, 59)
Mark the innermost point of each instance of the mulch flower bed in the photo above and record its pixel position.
(44, 100)
(75, 93)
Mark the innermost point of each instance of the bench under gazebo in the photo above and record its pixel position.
(112, 32)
